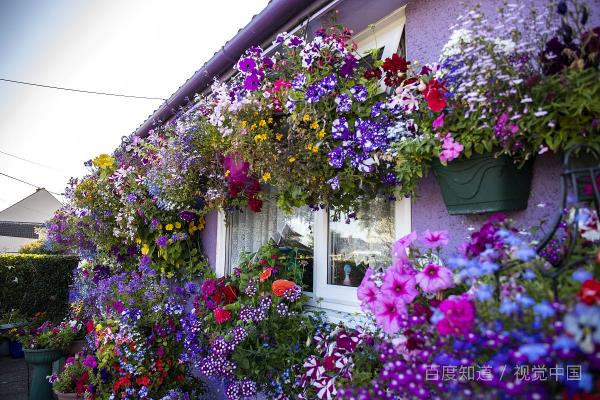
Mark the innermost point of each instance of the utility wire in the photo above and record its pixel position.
(82, 91)
(27, 183)
(30, 161)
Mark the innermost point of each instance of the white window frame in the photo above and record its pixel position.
(336, 299)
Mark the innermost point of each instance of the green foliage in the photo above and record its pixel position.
(35, 283)
(39, 247)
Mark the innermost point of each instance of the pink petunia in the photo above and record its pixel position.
(450, 149)
(439, 121)
(433, 239)
(367, 291)
(399, 251)
(399, 285)
(434, 278)
(388, 313)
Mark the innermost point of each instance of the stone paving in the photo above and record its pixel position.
(13, 379)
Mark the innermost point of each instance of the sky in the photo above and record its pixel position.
(135, 47)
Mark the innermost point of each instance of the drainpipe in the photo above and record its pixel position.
(276, 15)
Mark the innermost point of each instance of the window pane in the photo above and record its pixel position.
(363, 242)
(247, 231)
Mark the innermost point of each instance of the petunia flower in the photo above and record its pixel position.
(438, 122)
(433, 239)
(222, 315)
(459, 316)
(434, 278)
(389, 312)
(399, 285)
(367, 291)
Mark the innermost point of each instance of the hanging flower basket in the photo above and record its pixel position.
(484, 183)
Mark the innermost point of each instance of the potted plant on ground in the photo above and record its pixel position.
(72, 381)
(42, 347)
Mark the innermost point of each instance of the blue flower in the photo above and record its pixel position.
(484, 292)
(529, 275)
(534, 351)
(525, 254)
(336, 157)
(359, 92)
(543, 310)
(508, 307)
(334, 183)
(582, 275)
(344, 103)
(299, 81)
(583, 324)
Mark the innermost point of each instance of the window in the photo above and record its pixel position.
(335, 254)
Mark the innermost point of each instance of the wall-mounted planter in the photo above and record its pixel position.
(483, 184)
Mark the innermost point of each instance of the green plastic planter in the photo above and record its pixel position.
(483, 183)
(41, 361)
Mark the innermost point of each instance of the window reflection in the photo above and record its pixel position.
(362, 242)
(297, 234)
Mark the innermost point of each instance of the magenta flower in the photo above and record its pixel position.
(434, 278)
(90, 362)
(459, 315)
(433, 239)
(247, 65)
(439, 121)
(388, 313)
(252, 82)
(399, 285)
(367, 291)
(399, 251)
(450, 149)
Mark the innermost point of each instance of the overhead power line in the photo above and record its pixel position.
(82, 91)
(30, 161)
(28, 183)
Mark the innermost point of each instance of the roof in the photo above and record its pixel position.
(36, 208)
(19, 229)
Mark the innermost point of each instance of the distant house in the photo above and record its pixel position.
(18, 222)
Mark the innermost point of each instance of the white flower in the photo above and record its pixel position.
(526, 99)
(540, 112)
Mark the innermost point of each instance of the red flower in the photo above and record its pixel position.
(590, 292)
(434, 95)
(81, 382)
(123, 381)
(144, 381)
(329, 363)
(280, 286)
(222, 315)
(255, 204)
(90, 326)
(266, 274)
(395, 64)
(372, 73)
(230, 294)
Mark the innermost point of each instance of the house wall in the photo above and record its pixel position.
(427, 30)
(12, 244)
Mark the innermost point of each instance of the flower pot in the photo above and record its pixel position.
(15, 349)
(66, 396)
(76, 347)
(41, 361)
(484, 183)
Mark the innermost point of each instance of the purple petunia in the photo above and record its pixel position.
(294, 41)
(299, 81)
(312, 94)
(334, 183)
(247, 65)
(359, 92)
(350, 64)
(336, 157)
(252, 82)
(344, 103)
(327, 84)
(339, 129)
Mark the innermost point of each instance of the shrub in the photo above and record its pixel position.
(33, 283)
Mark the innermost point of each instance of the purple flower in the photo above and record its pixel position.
(367, 291)
(433, 239)
(293, 41)
(299, 81)
(344, 103)
(208, 287)
(131, 198)
(118, 306)
(327, 84)
(145, 261)
(247, 65)
(312, 94)
(376, 109)
(252, 82)
(334, 183)
(359, 92)
(188, 216)
(350, 64)
(434, 278)
(90, 362)
(162, 241)
(336, 157)
(339, 129)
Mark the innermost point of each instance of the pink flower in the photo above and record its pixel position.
(222, 315)
(434, 278)
(450, 149)
(367, 291)
(90, 362)
(459, 314)
(433, 239)
(399, 285)
(438, 122)
(399, 251)
(388, 313)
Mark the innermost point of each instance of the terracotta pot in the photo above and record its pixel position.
(66, 396)
(76, 347)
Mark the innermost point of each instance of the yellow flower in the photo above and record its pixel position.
(262, 122)
(306, 118)
(178, 225)
(201, 223)
(98, 327)
(159, 227)
(321, 134)
(145, 249)
(292, 159)
(103, 161)
(244, 123)
(266, 176)
(270, 120)
(138, 240)
(314, 125)
(169, 227)
(309, 146)
(278, 137)
(260, 137)
(253, 127)
(315, 149)
(227, 173)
